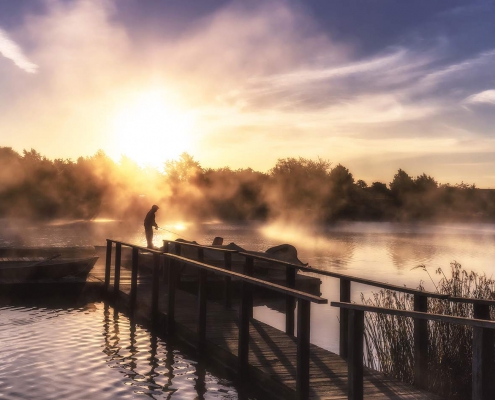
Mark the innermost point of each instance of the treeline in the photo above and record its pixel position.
(32, 186)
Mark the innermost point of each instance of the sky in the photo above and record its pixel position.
(372, 85)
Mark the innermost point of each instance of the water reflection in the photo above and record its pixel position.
(151, 366)
(410, 250)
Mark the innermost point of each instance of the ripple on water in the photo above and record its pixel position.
(94, 353)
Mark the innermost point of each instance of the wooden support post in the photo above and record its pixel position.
(166, 249)
(134, 278)
(201, 255)
(108, 263)
(289, 301)
(345, 296)
(303, 342)
(421, 343)
(178, 249)
(249, 270)
(355, 355)
(227, 295)
(245, 312)
(202, 300)
(171, 297)
(482, 357)
(155, 287)
(118, 259)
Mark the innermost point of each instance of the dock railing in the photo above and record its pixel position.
(481, 308)
(481, 311)
(482, 365)
(303, 299)
(227, 262)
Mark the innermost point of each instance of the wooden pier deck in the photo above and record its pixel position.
(272, 353)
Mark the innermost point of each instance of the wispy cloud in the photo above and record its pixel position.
(9, 49)
(487, 96)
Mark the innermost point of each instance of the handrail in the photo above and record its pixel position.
(249, 279)
(245, 309)
(479, 323)
(482, 363)
(348, 277)
(201, 246)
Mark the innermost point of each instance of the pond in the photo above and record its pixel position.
(388, 252)
(91, 351)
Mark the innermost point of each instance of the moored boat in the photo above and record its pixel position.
(38, 268)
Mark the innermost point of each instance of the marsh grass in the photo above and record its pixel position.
(389, 339)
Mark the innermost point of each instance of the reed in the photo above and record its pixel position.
(389, 339)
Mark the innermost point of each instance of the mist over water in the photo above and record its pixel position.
(381, 251)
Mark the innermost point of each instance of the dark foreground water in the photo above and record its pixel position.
(93, 352)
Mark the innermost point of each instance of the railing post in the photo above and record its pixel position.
(345, 296)
(245, 312)
(202, 299)
(227, 295)
(303, 342)
(171, 298)
(355, 355)
(249, 271)
(482, 356)
(134, 277)
(118, 259)
(421, 343)
(289, 301)
(155, 286)
(108, 263)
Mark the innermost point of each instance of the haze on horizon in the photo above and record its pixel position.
(373, 85)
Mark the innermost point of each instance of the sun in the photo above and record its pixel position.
(150, 130)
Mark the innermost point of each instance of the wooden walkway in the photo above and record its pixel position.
(272, 353)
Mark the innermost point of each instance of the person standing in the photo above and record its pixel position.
(149, 223)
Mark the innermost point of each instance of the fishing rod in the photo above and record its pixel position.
(175, 233)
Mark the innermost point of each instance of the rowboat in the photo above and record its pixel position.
(37, 268)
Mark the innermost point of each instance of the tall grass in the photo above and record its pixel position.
(389, 339)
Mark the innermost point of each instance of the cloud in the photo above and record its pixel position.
(487, 96)
(9, 49)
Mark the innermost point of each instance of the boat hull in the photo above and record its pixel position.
(31, 269)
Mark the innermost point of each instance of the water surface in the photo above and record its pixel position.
(94, 352)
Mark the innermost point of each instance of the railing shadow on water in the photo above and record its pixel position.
(154, 375)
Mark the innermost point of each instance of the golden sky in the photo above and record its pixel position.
(243, 85)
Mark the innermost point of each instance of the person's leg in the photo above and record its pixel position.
(149, 237)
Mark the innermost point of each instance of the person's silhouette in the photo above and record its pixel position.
(149, 223)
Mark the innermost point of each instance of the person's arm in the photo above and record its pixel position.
(154, 222)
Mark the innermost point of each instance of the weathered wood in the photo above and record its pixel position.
(171, 298)
(482, 368)
(108, 262)
(419, 315)
(202, 299)
(118, 259)
(345, 296)
(348, 277)
(134, 277)
(290, 302)
(245, 312)
(246, 278)
(421, 343)
(155, 286)
(249, 271)
(227, 295)
(303, 352)
(355, 355)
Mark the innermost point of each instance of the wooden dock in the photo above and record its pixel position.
(272, 356)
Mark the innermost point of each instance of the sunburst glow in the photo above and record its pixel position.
(150, 129)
